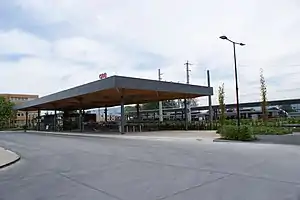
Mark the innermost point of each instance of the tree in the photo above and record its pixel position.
(169, 104)
(193, 103)
(6, 112)
(221, 97)
(165, 104)
(150, 106)
(128, 109)
(180, 103)
(263, 95)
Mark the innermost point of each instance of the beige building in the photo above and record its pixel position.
(21, 115)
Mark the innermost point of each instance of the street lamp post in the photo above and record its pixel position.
(236, 78)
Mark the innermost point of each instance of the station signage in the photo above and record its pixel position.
(102, 76)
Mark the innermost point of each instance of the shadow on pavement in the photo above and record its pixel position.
(293, 139)
(290, 139)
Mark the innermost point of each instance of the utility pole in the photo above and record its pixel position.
(187, 64)
(189, 116)
(160, 112)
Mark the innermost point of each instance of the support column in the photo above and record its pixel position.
(160, 106)
(210, 111)
(138, 117)
(122, 116)
(186, 114)
(26, 121)
(138, 112)
(80, 120)
(105, 114)
(80, 114)
(54, 121)
(189, 113)
(160, 111)
(39, 120)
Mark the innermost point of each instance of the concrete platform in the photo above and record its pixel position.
(7, 157)
(152, 135)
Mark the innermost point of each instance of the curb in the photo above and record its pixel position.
(112, 136)
(69, 134)
(12, 161)
(234, 141)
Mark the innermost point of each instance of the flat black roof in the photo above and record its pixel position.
(109, 91)
(242, 105)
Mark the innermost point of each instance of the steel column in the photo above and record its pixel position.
(122, 116)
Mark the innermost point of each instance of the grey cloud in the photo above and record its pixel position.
(135, 36)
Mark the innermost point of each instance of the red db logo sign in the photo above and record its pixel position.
(102, 76)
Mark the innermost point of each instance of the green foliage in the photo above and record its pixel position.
(232, 132)
(265, 130)
(6, 112)
(170, 104)
(14, 129)
(271, 127)
(256, 129)
(221, 97)
(25, 127)
(293, 120)
(128, 109)
(150, 106)
(249, 128)
(296, 129)
(263, 95)
(165, 104)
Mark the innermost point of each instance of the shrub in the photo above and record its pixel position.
(231, 132)
(265, 130)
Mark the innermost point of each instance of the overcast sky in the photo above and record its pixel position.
(50, 45)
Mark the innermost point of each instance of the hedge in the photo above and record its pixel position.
(231, 132)
(265, 130)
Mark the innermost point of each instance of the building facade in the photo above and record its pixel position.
(20, 119)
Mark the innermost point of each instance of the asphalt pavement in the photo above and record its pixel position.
(70, 167)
